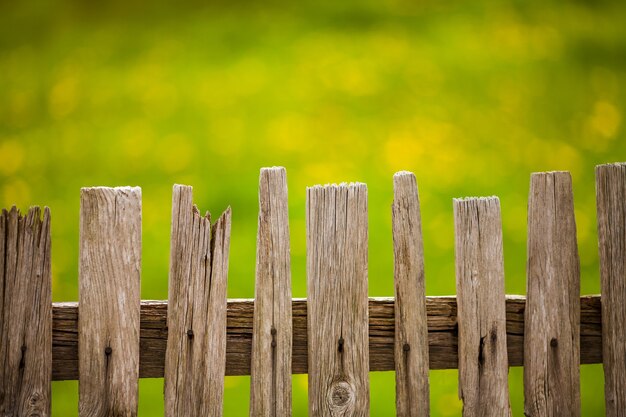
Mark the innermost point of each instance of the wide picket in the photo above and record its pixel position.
(483, 362)
(551, 334)
(25, 313)
(109, 299)
(337, 303)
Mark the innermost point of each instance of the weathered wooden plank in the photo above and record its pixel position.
(483, 363)
(25, 313)
(442, 335)
(551, 345)
(411, 328)
(195, 358)
(270, 383)
(337, 310)
(109, 295)
(611, 201)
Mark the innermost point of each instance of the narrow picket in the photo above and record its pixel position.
(25, 313)
(338, 360)
(611, 201)
(195, 359)
(483, 361)
(411, 329)
(109, 297)
(552, 317)
(270, 382)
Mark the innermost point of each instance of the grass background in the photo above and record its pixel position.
(471, 96)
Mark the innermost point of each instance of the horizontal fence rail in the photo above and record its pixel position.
(442, 335)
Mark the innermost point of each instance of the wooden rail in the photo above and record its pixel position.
(442, 335)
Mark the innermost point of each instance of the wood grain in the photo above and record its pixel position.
(25, 313)
(483, 363)
(411, 327)
(337, 310)
(270, 384)
(611, 202)
(195, 359)
(551, 346)
(109, 296)
(442, 335)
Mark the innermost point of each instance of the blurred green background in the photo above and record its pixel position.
(471, 96)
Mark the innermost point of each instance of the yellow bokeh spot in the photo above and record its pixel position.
(605, 119)
(17, 193)
(63, 97)
(11, 157)
(402, 150)
(175, 153)
(288, 132)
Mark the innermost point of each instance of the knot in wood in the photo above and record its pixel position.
(341, 395)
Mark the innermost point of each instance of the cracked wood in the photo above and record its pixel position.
(195, 359)
(483, 363)
(551, 343)
(442, 335)
(25, 313)
(270, 383)
(611, 201)
(411, 328)
(109, 296)
(337, 310)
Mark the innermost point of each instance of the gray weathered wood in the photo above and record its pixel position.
(270, 383)
(551, 345)
(411, 328)
(337, 309)
(442, 335)
(195, 359)
(483, 363)
(25, 313)
(611, 200)
(109, 295)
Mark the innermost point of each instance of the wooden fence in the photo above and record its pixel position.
(337, 335)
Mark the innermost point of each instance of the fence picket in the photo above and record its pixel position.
(338, 304)
(270, 382)
(552, 319)
(411, 329)
(483, 363)
(25, 313)
(109, 296)
(611, 201)
(195, 359)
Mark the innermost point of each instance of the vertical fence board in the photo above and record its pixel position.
(25, 313)
(611, 201)
(195, 358)
(109, 300)
(411, 331)
(270, 383)
(552, 317)
(483, 362)
(338, 305)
